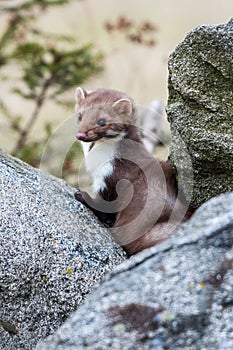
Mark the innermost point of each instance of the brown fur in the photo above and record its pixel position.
(155, 208)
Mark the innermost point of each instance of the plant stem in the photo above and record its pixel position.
(25, 131)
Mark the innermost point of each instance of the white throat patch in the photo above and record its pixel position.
(99, 161)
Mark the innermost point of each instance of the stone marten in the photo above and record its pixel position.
(136, 195)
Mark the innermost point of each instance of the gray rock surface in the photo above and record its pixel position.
(52, 253)
(200, 110)
(176, 295)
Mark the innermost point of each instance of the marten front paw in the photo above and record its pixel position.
(78, 195)
(84, 198)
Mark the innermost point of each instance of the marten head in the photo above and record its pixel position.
(102, 113)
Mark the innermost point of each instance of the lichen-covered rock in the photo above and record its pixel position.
(176, 295)
(52, 253)
(200, 111)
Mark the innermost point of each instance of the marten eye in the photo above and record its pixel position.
(80, 117)
(101, 122)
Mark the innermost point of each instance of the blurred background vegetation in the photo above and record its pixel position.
(48, 47)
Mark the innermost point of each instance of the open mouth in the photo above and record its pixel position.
(85, 137)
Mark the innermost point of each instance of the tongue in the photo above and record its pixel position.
(81, 136)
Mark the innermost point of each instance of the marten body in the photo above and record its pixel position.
(135, 193)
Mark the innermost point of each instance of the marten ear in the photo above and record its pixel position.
(123, 106)
(80, 94)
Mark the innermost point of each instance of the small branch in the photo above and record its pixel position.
(25, 131)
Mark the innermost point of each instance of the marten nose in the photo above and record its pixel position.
(81, 136)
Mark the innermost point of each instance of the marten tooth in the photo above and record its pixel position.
(111, 132)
